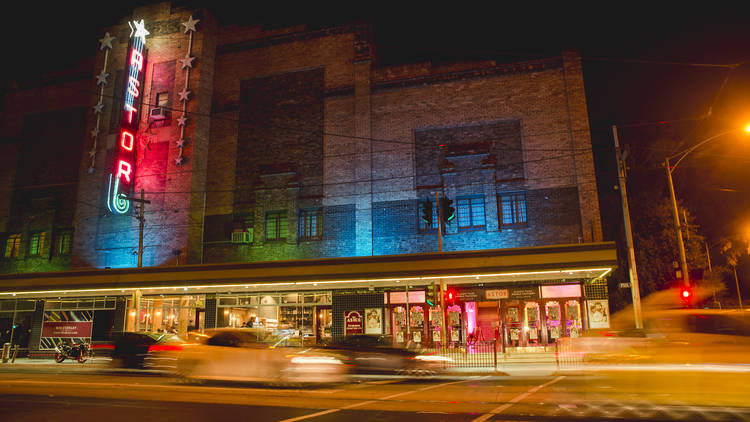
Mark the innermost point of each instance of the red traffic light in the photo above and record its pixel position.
(686, 296)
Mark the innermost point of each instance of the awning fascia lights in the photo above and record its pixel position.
(307, 284)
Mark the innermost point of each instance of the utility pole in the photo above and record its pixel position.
(678, 226)
(443, 312)
(634, 288)
(141, 219)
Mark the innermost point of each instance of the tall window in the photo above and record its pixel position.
(513, 209)
(311, 224)
(13, 246)
(36, 243)
(423, 226)
(247, 224)
(62, 242)
(470, 212)
(276, 225)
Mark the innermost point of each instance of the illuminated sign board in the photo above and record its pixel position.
(122, 177)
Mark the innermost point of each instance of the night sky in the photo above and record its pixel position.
(641, 65)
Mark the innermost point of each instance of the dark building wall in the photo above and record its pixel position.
(280, 131)
(45, 182)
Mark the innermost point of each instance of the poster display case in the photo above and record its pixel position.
(533, 323)
(554, 321)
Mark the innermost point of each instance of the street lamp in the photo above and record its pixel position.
(671, 168)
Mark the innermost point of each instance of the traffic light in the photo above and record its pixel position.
(686, 296)
(447, 212)
(431, 295)
(427, 212)
(450, 297)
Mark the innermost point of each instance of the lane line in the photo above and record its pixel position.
(364, 403)
(515, 400)
(167, 386)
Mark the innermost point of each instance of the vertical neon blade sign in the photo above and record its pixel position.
(122, 178)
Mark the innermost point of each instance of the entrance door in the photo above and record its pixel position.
(553, 313)
(323, 324)
(533, 324)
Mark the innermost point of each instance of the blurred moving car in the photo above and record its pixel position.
(247, 354)
(375, 354)
(135, 349)
(674, 336)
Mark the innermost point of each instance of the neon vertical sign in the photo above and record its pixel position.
(122, 177)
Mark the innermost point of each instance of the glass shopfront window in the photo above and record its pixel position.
(15, 321)
(305, 317)
(178, 314)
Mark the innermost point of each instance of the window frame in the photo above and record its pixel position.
(14, 250)
(471, 199)
(315, 214)
(36, 243)
(514, 207)
(63, 237)
(162, 96)
(278, 217)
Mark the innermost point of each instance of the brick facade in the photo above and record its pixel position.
(292, 119)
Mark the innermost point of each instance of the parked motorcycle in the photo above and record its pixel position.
(79, 351)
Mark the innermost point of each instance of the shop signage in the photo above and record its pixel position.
(67, 329)
(122, 178)
(470, 294)
(352, 323)
(496, 294)
(524, 293)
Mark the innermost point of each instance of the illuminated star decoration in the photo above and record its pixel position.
(140, 29)
(190, 24)
(181, 121)
(187, 61)
(92, 153)
(99, 107)
(180, 143)
(184, 94)
(94, 132)
(178, 160)
(106, 42)
(101, 78)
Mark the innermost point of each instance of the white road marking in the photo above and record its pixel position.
(515, 400)
(364, 403)
(167, 386)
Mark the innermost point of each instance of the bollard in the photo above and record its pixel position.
(15, 352)
(6, 352)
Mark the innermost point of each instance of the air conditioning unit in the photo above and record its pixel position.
(158, 113)
(241, 237)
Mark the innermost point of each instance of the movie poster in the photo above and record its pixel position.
(373, 321)
(598, 312)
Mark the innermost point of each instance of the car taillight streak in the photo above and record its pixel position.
(164, 348)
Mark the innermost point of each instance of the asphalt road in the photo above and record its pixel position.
(49, 393)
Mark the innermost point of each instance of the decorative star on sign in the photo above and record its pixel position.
(180, 143)
(92, 153)
(184, 94)
(94, 132)
(181, 121)
(187, 61)
(178, 160)
(106, 42)
(101, 78)
(190, 24)
(98, 108)
(139, 28)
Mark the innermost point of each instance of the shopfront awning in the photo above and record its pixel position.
(575, 262)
